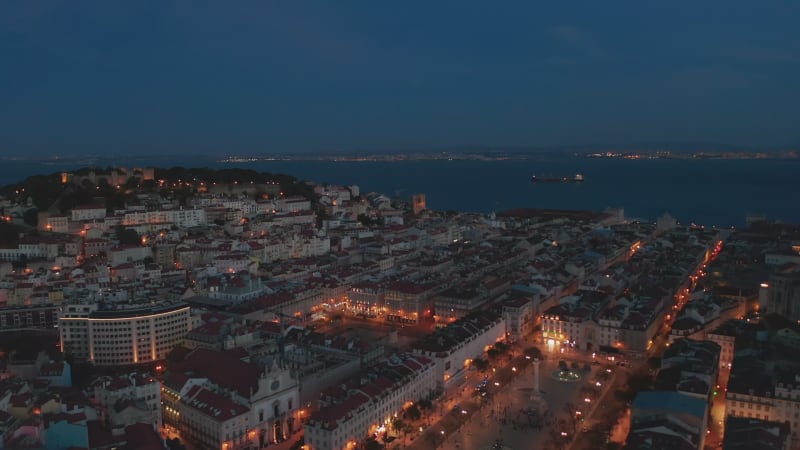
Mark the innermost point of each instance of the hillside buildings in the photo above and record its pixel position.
(246, 304)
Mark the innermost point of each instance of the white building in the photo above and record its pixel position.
(124, 336)
(352, 411)
(212, 420)
(264, 399)
(453, 348)
(183, 218)
(139, 390)
(293, 204)
(778, 400)
(88, 212)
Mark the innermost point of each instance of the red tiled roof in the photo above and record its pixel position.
(176, 380)
(213, 405)
(119, 383)
(331, 415)
(223, 368)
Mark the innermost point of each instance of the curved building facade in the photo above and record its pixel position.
(119, 337)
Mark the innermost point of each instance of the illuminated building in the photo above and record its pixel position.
(217, 400)
(365, 405)
(520, 316)
(407, 301)
(181, 217)
(573, 323)
(454, 347)
(125, 335)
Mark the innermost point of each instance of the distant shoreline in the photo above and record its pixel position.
(89, 160)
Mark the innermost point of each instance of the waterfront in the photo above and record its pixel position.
(709, 192)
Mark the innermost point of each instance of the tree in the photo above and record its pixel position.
(31, 217)
(128, 236)
(639, 381)
(398, 424)
(636, 382)
(533, 352)
(131, 183)
(480, 364)
(322, 215)
(425, 404)
(407, 428)
(413, 413)
(20, 263)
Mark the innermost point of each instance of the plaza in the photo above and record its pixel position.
(512, 416)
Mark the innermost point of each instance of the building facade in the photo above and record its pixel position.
(125, 336)
(351, 412)
(783, 296)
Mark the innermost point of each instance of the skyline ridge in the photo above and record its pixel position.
(565, 149)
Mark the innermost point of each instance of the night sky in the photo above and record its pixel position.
(305, 76)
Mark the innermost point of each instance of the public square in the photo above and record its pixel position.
(510, 415)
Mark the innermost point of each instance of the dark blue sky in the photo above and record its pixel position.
(283, 76)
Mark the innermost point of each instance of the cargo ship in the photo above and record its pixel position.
(578, 178)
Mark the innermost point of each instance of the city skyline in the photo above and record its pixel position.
(312, 77)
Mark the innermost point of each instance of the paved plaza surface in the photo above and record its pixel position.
(471, 422)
